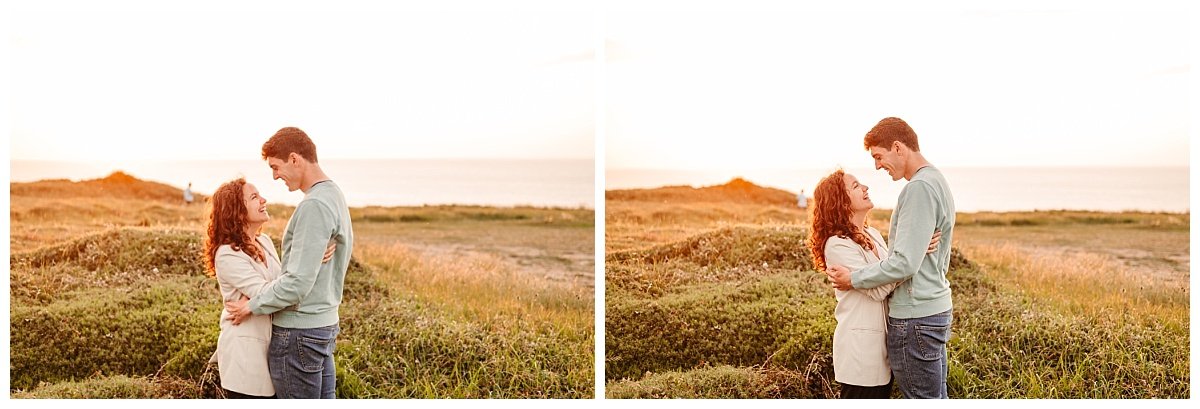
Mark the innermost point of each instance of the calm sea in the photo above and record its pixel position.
(975, 189)
(383, 182)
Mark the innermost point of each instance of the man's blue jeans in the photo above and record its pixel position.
(917, 352)
(301, 362)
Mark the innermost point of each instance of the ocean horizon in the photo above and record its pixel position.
(365, 182)
(975, 189)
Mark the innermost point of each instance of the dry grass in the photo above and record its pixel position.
(118, 185)
(37, 221)
(420, 318)
(723, 381)
(635, 225)
(737, 190)
(631, 225)
(727, 254)
(480, 286)
(1084, 283)
(1161, 221)
(552, 244)
(1059, 304)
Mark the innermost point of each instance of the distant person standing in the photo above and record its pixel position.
(803, 201)
(187, 195)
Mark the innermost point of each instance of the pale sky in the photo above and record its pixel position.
(380, 84)
(755, 90)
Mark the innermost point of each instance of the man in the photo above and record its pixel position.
(304, 301)
(920, 309)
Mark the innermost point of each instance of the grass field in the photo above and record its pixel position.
(109, 299)
(713, 299)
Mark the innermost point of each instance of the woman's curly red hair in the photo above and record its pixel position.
(227, 218)
(831, 217)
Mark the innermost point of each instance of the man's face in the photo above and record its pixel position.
(889, 160)
(288, 170)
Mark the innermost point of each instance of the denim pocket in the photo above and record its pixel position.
(278, 343)
(312, 353)
(931, 341)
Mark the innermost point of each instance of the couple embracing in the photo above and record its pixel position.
(280, 322)
(894, 308)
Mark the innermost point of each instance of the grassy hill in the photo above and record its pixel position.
(719, 300)
(109, 300)
(116, 185)
(737, 190)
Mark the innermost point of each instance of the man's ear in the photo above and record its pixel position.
(293, 158)
(896, 146)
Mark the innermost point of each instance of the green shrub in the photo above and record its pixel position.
(75, 315)
(776, 247)
(722, 382)
(777, 319)
(130, 251)
(1007, 346)
(131, 332)
(740, 324)
(403, 348)
(113, 258)
(724, 255)
(118, 387)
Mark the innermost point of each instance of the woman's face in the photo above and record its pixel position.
(859, 200)
(256, 205)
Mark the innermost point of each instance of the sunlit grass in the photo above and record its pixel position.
(1080, 283)
(479, 287)
(109, 301)
(1047, 305)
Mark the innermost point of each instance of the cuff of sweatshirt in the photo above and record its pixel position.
(256, 307)
(856, 279)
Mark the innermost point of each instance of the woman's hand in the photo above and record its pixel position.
(238, 310)
(933, 244)
(333, 246)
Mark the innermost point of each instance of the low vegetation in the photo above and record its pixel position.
(111, 307)
(724, 309)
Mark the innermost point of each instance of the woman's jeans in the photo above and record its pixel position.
(917, 354)
(301, 362)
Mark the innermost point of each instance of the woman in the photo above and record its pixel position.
(245, 264)
(840, 235)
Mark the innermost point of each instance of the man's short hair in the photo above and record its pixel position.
(288, 140)
(888, 130)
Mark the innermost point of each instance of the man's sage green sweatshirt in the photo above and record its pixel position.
(925, 205)
(308, 293)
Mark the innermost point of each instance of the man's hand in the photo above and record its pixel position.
(238, 310)
(840, 277)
